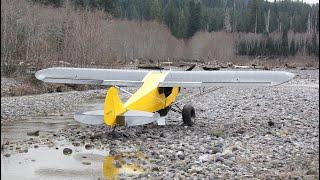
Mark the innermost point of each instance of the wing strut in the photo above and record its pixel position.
(123, 90)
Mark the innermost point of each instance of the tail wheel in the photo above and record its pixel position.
(188, 115)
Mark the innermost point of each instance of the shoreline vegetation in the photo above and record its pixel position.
(35, 36)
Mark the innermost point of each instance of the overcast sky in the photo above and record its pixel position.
(307, 1)
(311, 1)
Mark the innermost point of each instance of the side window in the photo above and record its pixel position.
(166, 90)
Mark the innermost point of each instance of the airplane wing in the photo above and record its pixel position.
(119, 77)
(92, 76)
(225, 78)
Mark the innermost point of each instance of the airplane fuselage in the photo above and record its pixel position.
(151, 98)
(148, 98)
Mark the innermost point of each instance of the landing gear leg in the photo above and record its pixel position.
(113, 132)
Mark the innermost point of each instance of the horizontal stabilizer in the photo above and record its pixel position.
(90, 117)
(137, 118)
(129, 118)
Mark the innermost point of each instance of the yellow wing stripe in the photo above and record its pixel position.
(147, 98)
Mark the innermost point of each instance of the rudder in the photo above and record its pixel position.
(112, 106)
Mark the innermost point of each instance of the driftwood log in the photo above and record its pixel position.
(211, 68)
(149, 66)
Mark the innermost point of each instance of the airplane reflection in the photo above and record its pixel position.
(113, 166)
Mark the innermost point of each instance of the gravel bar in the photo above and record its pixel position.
(240, 133)
(17, 107)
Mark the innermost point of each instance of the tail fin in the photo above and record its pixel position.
(112, 106)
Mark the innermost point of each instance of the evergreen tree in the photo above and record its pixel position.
(109, 6)
(182, 24)
(155, 10)
(169, 14)
(274, 17)
(194, 22)
(227, 21)
(284, 42)
(253, 23)
(256, 20)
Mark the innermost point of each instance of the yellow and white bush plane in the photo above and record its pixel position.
(157, 93)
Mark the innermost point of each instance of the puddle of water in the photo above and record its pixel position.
(50, 163)
(47, 163)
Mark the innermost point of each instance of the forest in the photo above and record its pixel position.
(185, 17)
(41, 33)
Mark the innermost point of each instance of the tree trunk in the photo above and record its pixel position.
(309, 24)
(290, 28)
(234, 17)
(4, 38)
(255, 25)
(268, 21)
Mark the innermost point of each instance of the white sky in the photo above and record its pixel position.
(311, 1)
(307, 1)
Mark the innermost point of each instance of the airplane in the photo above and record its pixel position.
(157, 93)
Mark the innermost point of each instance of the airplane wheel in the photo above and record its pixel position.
(188, 114)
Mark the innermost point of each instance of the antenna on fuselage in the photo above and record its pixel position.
(159, 66)
(169, 64)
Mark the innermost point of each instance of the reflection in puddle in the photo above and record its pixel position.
(115, 165)
(50, 163)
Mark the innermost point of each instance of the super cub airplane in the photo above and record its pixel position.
(157, 93)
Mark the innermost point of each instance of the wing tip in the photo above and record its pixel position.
(287, 76)
(290, 75)
(39, 75)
